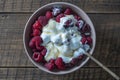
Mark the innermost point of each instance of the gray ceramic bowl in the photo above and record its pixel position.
(41, 11)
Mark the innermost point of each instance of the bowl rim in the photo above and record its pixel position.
(60, 72)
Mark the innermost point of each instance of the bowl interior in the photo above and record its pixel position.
(41, 11)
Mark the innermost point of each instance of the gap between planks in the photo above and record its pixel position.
(36, 67)
(33, 12)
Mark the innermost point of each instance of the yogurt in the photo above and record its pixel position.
(62, 42)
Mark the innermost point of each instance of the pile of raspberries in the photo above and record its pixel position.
(40, 51)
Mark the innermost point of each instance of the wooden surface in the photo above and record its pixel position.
(15, 65)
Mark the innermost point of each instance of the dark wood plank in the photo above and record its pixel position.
(36, 74)
(108, 40)
(90, 6)
(11, 45)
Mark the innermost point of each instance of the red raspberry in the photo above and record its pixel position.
(43, 52)
(37, 25)
(37, 57)
(36, 32)
(35, 42)
(89, 40)
(50, 66)
(39, 48)
(68, 65)
(80, 57)
(43, 20)
(59, 16)
(44, 61)
(32, 44)
(68, 23)
(85, 28)
(38, 42)
(34, 50)
(67, 11)
(74, 61)
(52, 61)
(77, 17)
(84, 40)
(59, 63)
(77, 24)
(49, 14)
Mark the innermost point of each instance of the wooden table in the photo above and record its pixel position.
(15, 65)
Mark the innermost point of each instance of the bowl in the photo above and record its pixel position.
(41, 11)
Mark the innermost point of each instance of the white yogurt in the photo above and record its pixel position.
(62, 42)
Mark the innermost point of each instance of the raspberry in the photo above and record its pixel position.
(85, 28)
(80, 57)
(34, 50)
(35, 42)
(68, 22)
(67, 11)
(74, 61)
(59, 16)
(48, 14)
(39, 48)
(77, 24)
(77, 17)
(52, 61)
(84, 40)
(59, 63)
(37, 25)
(36, 32)
(37, 57)
(44, 61)
(89, 40)
(32, 44)
(43, 52)
(68, 65)
(38, 42)
(50, 66)
(43, 20)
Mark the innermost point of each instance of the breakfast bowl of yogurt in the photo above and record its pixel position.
(57, 36)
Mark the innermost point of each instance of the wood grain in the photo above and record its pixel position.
(36, 74)
(90, 6)
(15, 65)
(12, 53)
